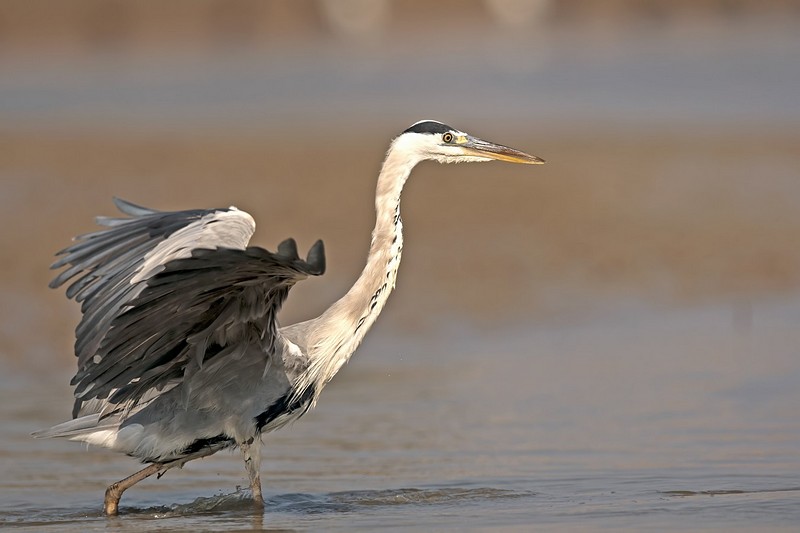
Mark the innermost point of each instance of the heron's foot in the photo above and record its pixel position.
(252, 456)
(255, 488)
(114, 491)
(258, 501)
(111, 503)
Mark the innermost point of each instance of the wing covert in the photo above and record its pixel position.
(105, 268)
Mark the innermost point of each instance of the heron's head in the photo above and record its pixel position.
(429, 139)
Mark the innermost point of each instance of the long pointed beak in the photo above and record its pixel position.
(481, 148)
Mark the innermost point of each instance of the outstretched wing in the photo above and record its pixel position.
(161, 289)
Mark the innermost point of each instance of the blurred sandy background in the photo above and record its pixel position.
(671, 131)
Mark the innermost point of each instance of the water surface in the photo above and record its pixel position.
(653, 419)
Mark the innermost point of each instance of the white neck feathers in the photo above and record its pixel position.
(337, 333)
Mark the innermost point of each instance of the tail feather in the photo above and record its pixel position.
(72, 428)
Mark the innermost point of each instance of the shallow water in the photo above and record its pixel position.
(606, 342)
(645, 419)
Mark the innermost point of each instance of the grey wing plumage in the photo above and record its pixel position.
(161, 289)
(108, 265)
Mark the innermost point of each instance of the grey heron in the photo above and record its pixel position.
(180, 354)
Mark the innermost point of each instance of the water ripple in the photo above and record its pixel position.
(345, 501)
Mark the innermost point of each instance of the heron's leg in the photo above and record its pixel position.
(251, 451)
(114, 492)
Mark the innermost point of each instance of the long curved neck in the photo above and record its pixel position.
(366, 298)
(336, 333)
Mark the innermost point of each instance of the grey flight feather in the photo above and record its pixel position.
(162, 289)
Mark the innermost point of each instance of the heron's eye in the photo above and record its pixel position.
(447, 137)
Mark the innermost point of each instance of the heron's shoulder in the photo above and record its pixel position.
(235, 215)
(294, 351)
(229, 228)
